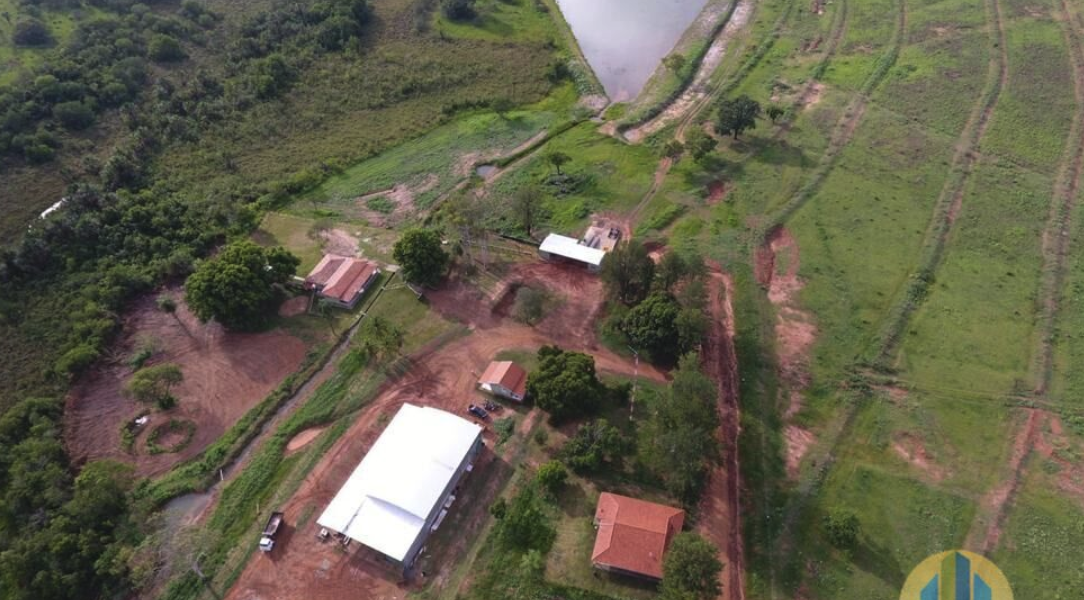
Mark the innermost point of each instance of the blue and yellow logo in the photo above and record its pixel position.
(957, 575)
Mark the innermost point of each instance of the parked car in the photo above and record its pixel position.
(478, 411)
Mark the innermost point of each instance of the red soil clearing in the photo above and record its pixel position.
(225, 374)
(717, 192)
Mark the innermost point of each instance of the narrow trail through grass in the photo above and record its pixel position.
(949, 202)
(1056, 236)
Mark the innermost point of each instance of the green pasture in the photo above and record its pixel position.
(437, 161)
(606, 175)
(1036, 108)
(975, 329)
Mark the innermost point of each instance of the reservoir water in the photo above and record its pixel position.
(624, 40)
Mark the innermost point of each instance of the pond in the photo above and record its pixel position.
(624, 40)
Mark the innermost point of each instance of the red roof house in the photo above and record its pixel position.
(342, 280)
(633, 535)
(505, 378)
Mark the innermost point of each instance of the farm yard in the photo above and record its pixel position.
(854, 347)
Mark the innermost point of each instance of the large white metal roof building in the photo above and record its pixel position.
(391, 498)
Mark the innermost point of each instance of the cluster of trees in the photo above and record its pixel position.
(663, 312)
(565, 384)
(239, 286)
(678, 441)
(102, 67)
(595, 445)
(63, 537)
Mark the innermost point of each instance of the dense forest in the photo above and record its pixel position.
(159, 123)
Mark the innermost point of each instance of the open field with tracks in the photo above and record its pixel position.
(894, 274)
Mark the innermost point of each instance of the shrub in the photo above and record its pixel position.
(529, 306)
(74, 114)
(458, 10)
(842, 527)
(163, 48)
(552, 476)
(78, 358)
(32, 33)
(593, 445)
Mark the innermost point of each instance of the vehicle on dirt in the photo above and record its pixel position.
(492, 406)
(274, 522)
(478, 411)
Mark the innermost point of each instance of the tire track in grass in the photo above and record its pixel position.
(948, 204)
(985, 532)
(1056, 236)
(843, 132)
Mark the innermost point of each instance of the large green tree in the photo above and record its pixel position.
(154, 384)
(678, 441)
(652, 326)
(690, 570)
(736, 115)
(565, 383)
(237, 287)
(628, 272)
(421, 254)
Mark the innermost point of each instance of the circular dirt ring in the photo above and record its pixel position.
(172, 436)
(303, 439)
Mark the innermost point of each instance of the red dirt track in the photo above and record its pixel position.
(443, 376)
(720, 509)
(225, 374)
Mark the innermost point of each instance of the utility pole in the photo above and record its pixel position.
(635, 381)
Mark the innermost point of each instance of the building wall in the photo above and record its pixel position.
(412, 555)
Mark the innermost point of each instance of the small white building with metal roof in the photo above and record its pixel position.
(403, 488)
(562, 247)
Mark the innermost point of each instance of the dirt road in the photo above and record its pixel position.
(720, 509)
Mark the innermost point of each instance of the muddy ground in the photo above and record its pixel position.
(445, 377)
(225, 374)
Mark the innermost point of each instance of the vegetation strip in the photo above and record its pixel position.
(1056, 236)
(951, 199)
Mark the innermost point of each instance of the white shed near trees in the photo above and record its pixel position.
(562, 247)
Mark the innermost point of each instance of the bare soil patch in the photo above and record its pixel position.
(294, 306)
(225, 374)
(445, 377)
(910, 448)
(401, 197)
(303, 439)
(337, 241)
(1054, 445)
(799, 441)
(717, 192)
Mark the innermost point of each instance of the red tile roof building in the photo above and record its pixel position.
(341, 279)
(505, 378)
(633, 535)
